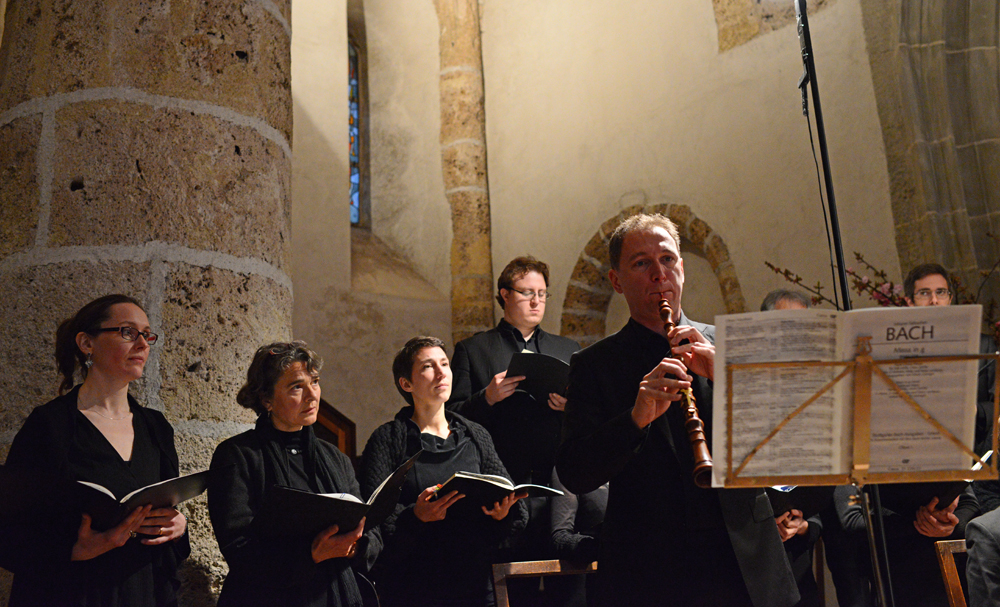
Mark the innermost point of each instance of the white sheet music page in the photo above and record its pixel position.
(814, 442)
(902, 441)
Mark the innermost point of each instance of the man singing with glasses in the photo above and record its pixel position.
(525, 431)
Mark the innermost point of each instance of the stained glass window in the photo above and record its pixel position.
(355, 117)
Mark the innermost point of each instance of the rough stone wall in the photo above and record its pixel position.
(144, 149)
(740, 21)
(938, 93)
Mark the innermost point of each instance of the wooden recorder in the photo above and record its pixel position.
(702, 471)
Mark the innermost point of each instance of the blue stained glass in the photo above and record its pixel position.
(354, 130)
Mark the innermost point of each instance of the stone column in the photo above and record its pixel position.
(934, 66)
(144, 149)
(463, 157)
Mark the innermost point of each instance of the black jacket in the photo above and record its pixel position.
(982, 536)
(409, 543)
(37, 548)
(525, 432)
(913, 565)
(265, 573)
(663, 537)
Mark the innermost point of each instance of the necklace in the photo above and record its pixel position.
(114, 419)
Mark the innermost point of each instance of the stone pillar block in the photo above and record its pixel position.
(145, 150)
(470, 222)
(213, 322)
(729, 283)
(463, 116)
(19, 198)
(464, 164)
(984, 89)
(972, 180)
(982, 23)
(934, 93)
(461, 44)
(230, 53)
(36, 299)
(462, 112)
(608, 227)
(205, 172)
(471, 288)
(957, 74)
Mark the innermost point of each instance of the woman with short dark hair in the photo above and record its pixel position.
(437, 548)
(282, 387)
(96, 432)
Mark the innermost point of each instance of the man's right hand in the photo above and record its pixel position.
(656, 392)
(791, 524)
(501, 387)
(931, 522)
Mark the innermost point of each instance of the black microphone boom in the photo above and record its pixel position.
(809, 77)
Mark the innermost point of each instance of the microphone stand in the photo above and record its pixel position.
(880, 562)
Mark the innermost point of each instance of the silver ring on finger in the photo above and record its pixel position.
(132, 534)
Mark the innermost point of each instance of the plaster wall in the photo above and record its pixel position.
(410, 212)
(320, 164)
(593, 107)
(358, 299)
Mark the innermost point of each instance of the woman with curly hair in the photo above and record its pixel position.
(282, 387)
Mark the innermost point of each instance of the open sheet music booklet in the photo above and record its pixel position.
(23, 489)
(819, 440)
(487, 489)
(107, 510)
(290, 512)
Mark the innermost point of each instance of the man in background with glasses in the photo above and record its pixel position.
(929, 284)
(525, 431)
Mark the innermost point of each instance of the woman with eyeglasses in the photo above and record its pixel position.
(96, 432)
(282, 387)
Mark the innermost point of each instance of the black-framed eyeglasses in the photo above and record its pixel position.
(925, 294)
(132, 334)
(541, 295)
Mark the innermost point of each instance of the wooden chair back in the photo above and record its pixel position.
(504, 571)
(946, 550)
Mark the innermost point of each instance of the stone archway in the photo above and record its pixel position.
(589, 292)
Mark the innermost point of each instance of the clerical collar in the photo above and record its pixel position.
(515, 333)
